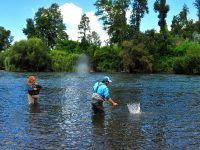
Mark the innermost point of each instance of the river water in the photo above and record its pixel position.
(169, 118)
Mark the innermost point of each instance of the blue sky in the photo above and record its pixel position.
(13, 14)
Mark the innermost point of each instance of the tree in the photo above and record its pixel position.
(197, 5)
(28, 55)
(30, 30)
(113, 15)
(84, 27)
(5, 38)
(161, 7)
(94, 39)
(47, 25)
(84, 30)
(181, 26)
(139, 7)
(180, 21)
(135, 58)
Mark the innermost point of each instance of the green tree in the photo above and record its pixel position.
(84, 30)
(180, 21)
(94, 39)
(62, 60)
(135, 58)
(161, 7)
(47, 25)
(28, 55)
(197, 5)
(113, 15)
(84, 27)
(181, 26)
(139, 8)
(30, 30)
(107, 59)
(5, 38)
(68, 46)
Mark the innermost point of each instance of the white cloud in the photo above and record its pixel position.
(72, 16)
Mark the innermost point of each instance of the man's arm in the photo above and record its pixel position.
(110, 100)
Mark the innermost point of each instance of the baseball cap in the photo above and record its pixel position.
(106, 78)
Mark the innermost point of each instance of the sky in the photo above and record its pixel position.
(13, 15)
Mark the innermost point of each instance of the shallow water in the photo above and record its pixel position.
(169, 118)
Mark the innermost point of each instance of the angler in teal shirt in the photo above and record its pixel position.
(101, 94)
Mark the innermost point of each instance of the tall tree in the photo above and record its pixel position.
(197, 5)
(181, 26)
(5, 38)
(161, 7)
(139, 8)
(84, 30)
(47, 25)
(113, 15)
(84, 27)
(94, 39)
(30, 30)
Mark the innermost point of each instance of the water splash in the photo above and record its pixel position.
(82, 64)
(134, 108)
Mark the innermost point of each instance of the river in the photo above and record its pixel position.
(169, 118)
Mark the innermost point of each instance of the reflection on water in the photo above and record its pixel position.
(63, 119)
(34, 108)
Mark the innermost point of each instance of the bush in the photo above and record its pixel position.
(183, 46)
(164, 64)
(107, 59)
(190, 63)
(63, 61)
(2, 58)
(28, 55)
(135, 58)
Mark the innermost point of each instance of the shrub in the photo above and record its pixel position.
(28, 55)
(135, 58)
(63, 61)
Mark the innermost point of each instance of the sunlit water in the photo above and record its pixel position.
(169, 118)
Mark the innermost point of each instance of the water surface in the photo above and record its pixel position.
(169, 118)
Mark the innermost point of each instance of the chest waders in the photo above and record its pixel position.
(97, 101)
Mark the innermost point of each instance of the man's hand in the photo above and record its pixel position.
(115, 104)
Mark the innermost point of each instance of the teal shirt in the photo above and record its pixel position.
(101, 89)
(32, 91)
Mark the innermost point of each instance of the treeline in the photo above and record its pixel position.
(48, 47)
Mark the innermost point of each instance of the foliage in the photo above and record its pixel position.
(2, 58)
(5, 38)
(84, 27)
(158, 44)
(164, 64)
(28, 55)
(47, 25)
(107, 59)
(135, 58)
(113, 15)
(63, 61)
(181, 26)
(139, 8)
(183, 46)
(190, 62)
(161, 7)
(94, 39)
(68, 46)
(197, 5)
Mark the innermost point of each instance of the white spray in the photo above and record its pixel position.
(82, 64)
(134, 108)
